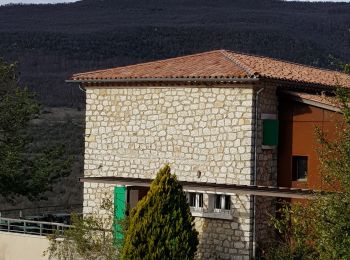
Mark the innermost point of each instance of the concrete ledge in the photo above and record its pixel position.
(14, 246)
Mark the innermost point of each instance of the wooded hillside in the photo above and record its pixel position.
(53, 41)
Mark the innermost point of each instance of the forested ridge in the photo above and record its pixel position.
(53, 41)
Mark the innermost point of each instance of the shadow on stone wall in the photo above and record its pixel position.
(227, 239)
(265, 232)
(222, 239)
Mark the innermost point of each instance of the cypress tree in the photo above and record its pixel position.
(161, 225)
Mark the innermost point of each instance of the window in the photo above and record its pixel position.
(195, 200)
(217, 206)
(299, 168)
(135, 194)
(222, 202)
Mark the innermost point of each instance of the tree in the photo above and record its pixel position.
(21, 171)
(161, 226)
(320, 228)
(89, 238)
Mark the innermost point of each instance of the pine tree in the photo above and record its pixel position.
(22, 171)
(161, 226)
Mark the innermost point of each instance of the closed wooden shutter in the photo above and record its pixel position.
(119, 211)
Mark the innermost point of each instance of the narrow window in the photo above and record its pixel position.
(222, 202)
(227, 202)
(217, 204)
(299, 168)
(200, 200)
(195, 200)
(192, 199)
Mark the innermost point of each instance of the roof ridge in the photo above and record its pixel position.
(250, 72)
(221, 64)
(148, 62)
(284, 61)
(228, 54)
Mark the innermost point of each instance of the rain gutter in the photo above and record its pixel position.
(137, 80)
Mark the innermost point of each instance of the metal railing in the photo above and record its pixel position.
(40, 210)
(31, 227)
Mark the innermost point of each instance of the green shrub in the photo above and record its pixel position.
(161, 226)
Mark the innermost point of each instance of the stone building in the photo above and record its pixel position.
(214, 117)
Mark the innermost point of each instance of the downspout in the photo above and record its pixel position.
(255, 165)
(81, 88)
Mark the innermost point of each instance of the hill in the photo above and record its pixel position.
(53, 41)
(55, 126)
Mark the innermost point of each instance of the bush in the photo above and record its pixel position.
(161, 226)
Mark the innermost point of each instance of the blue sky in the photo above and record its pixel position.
(2, 2)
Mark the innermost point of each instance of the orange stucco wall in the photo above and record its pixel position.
(298, 124)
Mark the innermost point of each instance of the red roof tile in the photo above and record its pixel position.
(220, 64)
(318, 98)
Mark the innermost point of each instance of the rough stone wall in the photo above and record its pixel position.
(132, 132)
(267, 158)
(95, 194)
(226, 239)
(266, 169)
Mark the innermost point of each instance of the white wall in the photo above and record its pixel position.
(22, 247)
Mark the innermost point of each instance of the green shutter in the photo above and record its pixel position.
(119, 211)
(270, 132)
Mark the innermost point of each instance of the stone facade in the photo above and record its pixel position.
(266, 168)
(227, 239)
(133, 131)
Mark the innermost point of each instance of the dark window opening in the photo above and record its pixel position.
(227, 202)
(134, 195)
(200, 200)
(217, 204)
(299, 168)
(222, 202)
(195, 200)
(192, 199)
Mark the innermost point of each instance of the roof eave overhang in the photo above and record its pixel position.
(314, 103)
(165, 80)
(229, 189)
(300, 85)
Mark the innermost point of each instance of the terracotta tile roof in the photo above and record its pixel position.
(220, 64)
(329, 101)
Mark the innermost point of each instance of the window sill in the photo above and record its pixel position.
(196, 210)
(300, 180)
(218, 215)
(268, 147)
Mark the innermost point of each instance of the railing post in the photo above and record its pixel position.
(8, 225)
(41, 229)
(24, 227)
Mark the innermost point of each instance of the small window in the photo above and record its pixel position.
(299, 168)
(227, 202)
(222, 202)
(217, 204)
(195, 200)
